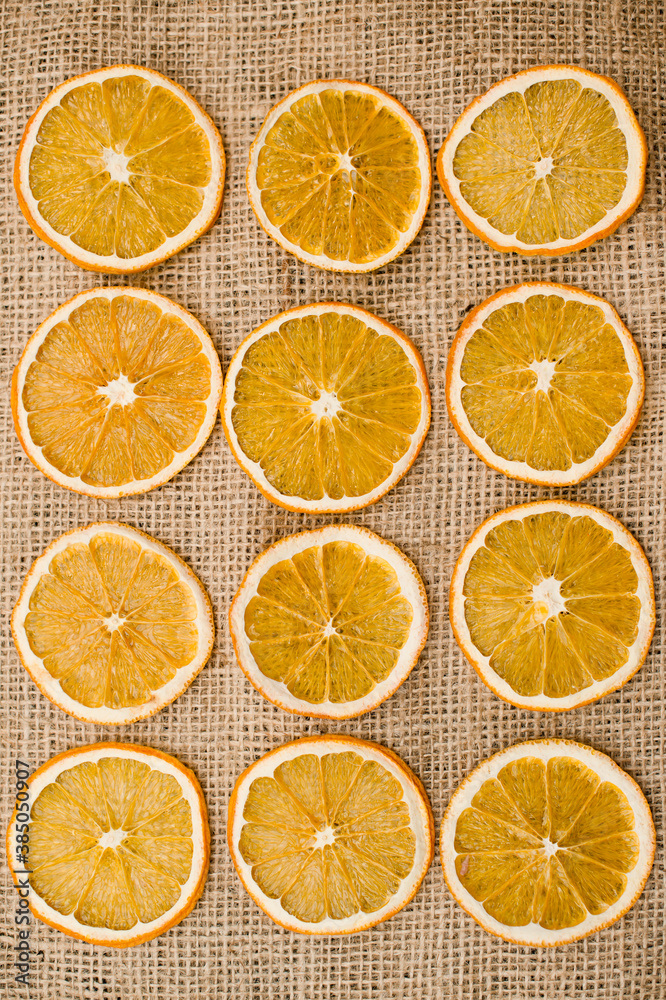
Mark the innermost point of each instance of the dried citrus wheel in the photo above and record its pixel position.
(545, 383)
(546, 162)
(111, 625)
(118, 843)
(553, 605)
(547, 842)
(326, 407)
(115, 392)
(340, 176)
(330, 834)
(119, 169)
(329, 623)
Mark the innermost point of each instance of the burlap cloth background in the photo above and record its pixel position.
(237, 58)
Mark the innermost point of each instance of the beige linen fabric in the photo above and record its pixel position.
(238, 57)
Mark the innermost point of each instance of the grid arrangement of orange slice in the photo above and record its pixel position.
(326, 408)
(119, 843)
(119, 169)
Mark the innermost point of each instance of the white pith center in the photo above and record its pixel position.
(326, 406)
(119, 390)
(116, 164)
(112, 838)
(330, 629)
(324, 837)
(548, 599)
(345, 163)
(544, 371)
(113, 622)
(549, 847)
(543, 167)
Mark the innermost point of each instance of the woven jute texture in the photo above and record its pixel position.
(238, 58)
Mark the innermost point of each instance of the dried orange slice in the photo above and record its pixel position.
(330, 834)
(340, 176)
(117, 844)
(546, 162)
(553, 604)
(329, 623)
(119, 169)
(111, 625)
(547, 842)
(116, 392)
(326, 407)
(545, 383)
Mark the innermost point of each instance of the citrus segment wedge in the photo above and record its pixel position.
(546, 162)
(553, 604)
(328, 623)
(340, 176)
(330, 834)
(116, 392)
(118, 843)
(119, 169)
(111, 625)
(547, 842)
(545, 383)
(326, 407)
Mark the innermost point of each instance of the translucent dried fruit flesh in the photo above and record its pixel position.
(546, 165)
(329, 623)
(326, 406)
(551, 600)
(116, 391)
(547, 843)
(120, 166)
(111, 843)
(545, 381)
(111, 621)
(339, 176)
(329, 836)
